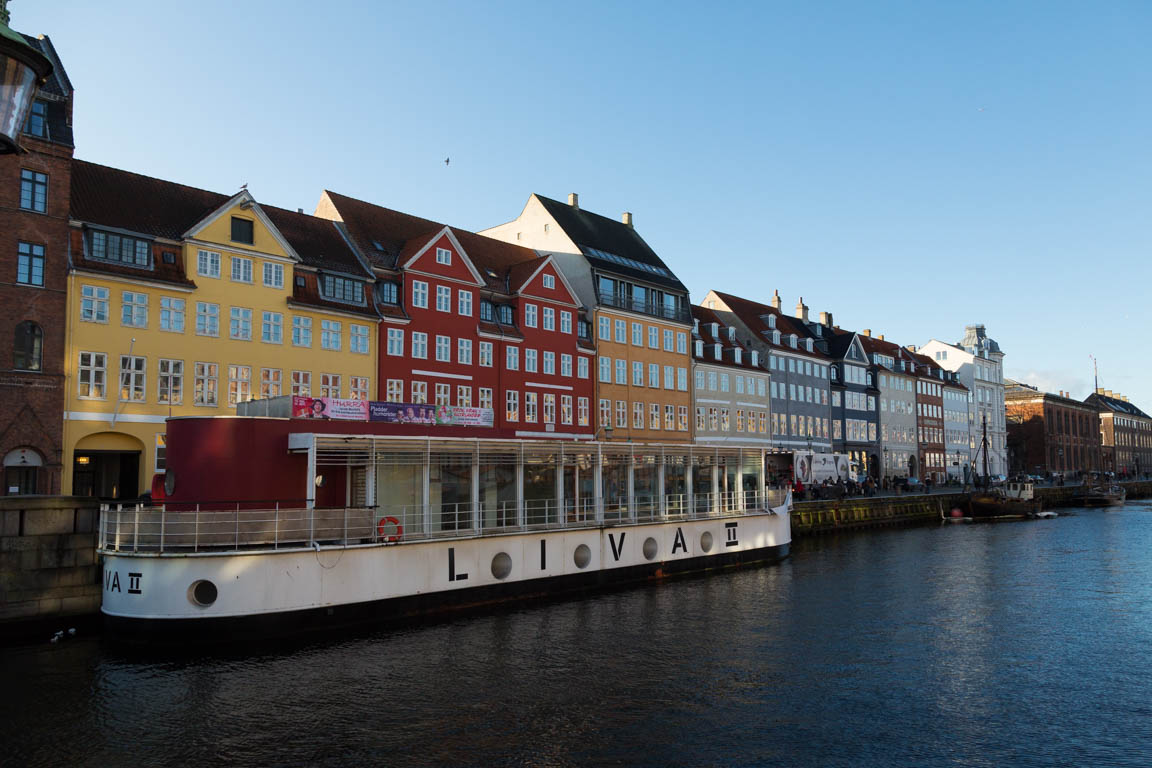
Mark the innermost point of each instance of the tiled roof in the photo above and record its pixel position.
(706, 317)
(316, 241)
(751, 313)
(591, 230)
(1115, 404)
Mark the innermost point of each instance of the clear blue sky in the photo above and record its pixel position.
(911, 167)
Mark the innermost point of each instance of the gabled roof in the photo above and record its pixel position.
(316, 241)
(600, 238)
(1115, 405)
(706, 317)
(386, 236)
(752, 313)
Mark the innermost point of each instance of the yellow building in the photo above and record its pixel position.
(183, 302)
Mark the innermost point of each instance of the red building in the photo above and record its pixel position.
(33, 259)
(469, 321)
(929, 416)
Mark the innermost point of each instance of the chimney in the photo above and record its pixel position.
(802, 310)
(574, 200)
(627, 219)
(881, 337)
(867, 332)
(1107, 393)
(826, 319)
(299, 210)
(1124, 398)
(776, 300)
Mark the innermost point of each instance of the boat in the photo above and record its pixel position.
(1015, 498)
(1112, 495)
(372, 528)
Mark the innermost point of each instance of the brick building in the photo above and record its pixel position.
(34, 192)
(1125, 432)
(1050, 432)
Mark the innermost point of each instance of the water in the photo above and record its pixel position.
(1011, 644)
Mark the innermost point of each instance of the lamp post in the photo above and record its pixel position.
(22, 69)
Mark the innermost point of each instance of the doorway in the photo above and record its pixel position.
(106, 475)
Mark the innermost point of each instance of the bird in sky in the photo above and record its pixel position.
(447, 160)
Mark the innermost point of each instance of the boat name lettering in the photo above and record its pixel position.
(617, 548)
(732, 542)
(452, 575)
(678, 543)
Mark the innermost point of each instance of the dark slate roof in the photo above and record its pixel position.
(1115, 405)
(317, 242)
(752, 313)
(57, 90)
(161, 270)
(706, 317)
(124, 200)
(593, 231)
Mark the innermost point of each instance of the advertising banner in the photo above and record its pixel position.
(391, 413)
(401, 413)
(812, 468)
(329, 408)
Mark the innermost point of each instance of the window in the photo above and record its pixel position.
(654, 416)
(605, 413)
(37, 124)
(273, 275)
(621, 371)
(389, 293)
(270, 381)
(485, 394)
(329, 385)
(582, 367)
(243, 231)
(549, 319)
(512, 358)
(669, 377)
(171, 379)
(530, 361)
(682, 380)
(134, 309)
(119, 248)
(668, 341)
(464, 396)
(241, 269)
(605, 329)
(549, 363)
(486, 354)
(529, 322)
(622, 413)
(653, 375)
(205, 384)
(302, 383)
(330, 334)
(605, 369)
(443, 298)
(91, 375)
(653, 337)
(530, 407)
(443, 349)
(240, 325)
(272, 328)
(358, 388)
(443, 256)
(505, 314)
(565, 322)
(682, 420)
(621, 332)
(93, 304)
(669, 417)
(487, 310)
(28, 346)
(419, 392)
(133, 375)
(33, 191)
(161, 454)
(724, 382)
(394, 392)
(342, 289)
(208, 264)
(302, 331)
(566, 366)
(512, 405)
(420, 294)
(682, 343)
(396, 342)
(239, 384)
(700, 418)
(171, 314)
(549, 281)
(550, 409)
(637, 415)
(358, 338)
(30, 266)
(582, 411)
(464, 351)
(464, 303)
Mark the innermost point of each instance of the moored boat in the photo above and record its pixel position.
(1102, 496)
(1016, 498)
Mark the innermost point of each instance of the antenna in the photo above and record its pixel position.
(1095, 376)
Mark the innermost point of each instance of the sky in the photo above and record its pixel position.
(910, 167)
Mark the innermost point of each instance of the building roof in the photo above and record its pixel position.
(752, 315)
(317, 242)
(611, 245)
(705, 318)
(1114, 404)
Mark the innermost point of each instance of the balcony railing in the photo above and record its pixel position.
(677, 313)
(157, 529)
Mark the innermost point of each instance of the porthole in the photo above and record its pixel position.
(502, 565)
(582, 556)
(650, 548)
(706, 541)
(202, 593)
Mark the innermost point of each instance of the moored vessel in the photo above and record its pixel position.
(1111, 495)
(1016, 498)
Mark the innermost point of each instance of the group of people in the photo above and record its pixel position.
(839, 488)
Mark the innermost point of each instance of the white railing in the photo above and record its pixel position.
(158, 529)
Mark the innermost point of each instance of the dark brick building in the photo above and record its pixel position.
(1050, 432)
(1126, 432)
(34, 194)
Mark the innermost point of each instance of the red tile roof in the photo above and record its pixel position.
(751, 313)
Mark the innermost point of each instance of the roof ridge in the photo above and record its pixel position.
(153, 178)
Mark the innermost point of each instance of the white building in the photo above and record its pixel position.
(979, 363)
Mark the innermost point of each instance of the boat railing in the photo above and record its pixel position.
(187, 528)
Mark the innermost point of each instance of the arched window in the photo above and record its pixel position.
(871, 379)
(28, 346)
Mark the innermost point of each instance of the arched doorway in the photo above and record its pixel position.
(22, 468)
(912, 466)
(107, 465)
(874, 466)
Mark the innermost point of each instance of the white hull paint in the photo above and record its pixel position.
(158, 587)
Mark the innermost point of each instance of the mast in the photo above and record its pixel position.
(984, 448)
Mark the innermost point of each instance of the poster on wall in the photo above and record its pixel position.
(329, 408)
(401, 413)
(814, 468)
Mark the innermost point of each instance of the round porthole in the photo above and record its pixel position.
(169, 482)
(502, 565)
(706, 541)
(202, 593)
(650, 548)
(582, 556)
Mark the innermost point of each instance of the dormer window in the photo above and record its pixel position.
(835, 373)
(389, 293)
(121, 249)
(775, 337)
(341, 289)
(243, 230)
(444, 256)
(771, 321)
(487, 311)
(809, 344)
(737, 356)
(792, 340)
(695, 326)
(699, 348)
(718, 351)
(755, 358)
(731, 333)
(505, 314)
(715, 330)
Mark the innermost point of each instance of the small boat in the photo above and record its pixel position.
(1014, 499)
(1103, 496)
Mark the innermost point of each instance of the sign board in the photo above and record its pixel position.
(814, 468)
(391, 413)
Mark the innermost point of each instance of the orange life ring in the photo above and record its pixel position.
(393, 537)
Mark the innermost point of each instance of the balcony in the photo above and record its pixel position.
(678, 314)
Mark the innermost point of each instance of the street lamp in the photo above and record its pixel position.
(22, 69)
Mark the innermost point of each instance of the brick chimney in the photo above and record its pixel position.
(826, 319)
(881, 337)
(574, 200)
(776, 303)
(867, 332)
(626, 217)
(1107, 393)
(802, 310)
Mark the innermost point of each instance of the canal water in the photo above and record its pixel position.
(1009, 644)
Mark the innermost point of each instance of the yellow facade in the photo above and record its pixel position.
(176, 354)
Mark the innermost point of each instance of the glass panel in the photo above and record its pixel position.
(498, 489)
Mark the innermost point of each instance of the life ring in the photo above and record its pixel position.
(394, 537)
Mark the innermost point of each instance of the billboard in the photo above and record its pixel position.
(391, 413)
(329, 408)
(811, 468)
